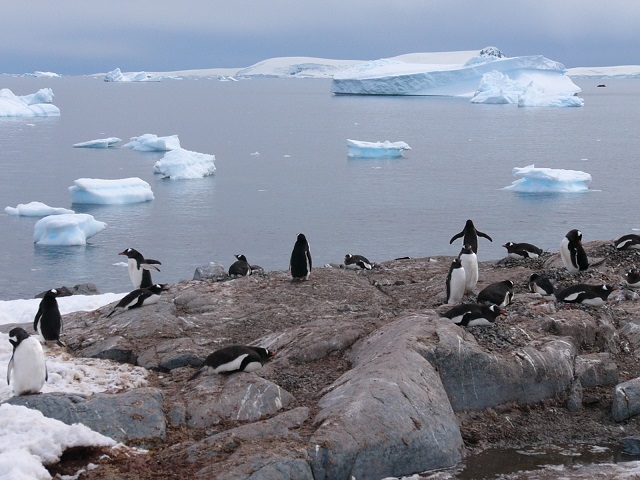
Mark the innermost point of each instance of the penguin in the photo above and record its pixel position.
(300, 263)
(469, 261)
(473, 314)
(240, 268)
(573, 255)
(456, 282)
(27, 363)
(139, 298)
(469, 236)
(595, 295)
(358, 260)
(139, 268)
(500, 293)
(48, 321)
(540, 284)
(627, 242)
(522, 250)
(235, 358)
(632, 278)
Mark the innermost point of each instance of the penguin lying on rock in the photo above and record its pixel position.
(240, 268)
(595, 295)
(520, 251)
(27, 368)
(632, 278)
(627, 242)
(473, 314)
(235, 358)
(499, 293)
(358, 260)
(541, 285)
(139, 298)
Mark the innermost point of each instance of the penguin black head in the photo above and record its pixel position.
(497, 310)
(159, 288)
(468, 249)
(241, 257)
(347, 257)
(469, 224)
(17, 335)
(53, 293)
(575, 235)
(130, 253)
(265, 354)
(301, 238)
(456, 263)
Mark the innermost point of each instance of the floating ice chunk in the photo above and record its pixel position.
(98, 143)
(117, 76)
(110, 192)
(548, 180)
(497, 88)
(34, 105)
(153, 143)
(384, 149)
(536, 97)
(183, 164)
(46, 74)
(66, 229)
(35, 209)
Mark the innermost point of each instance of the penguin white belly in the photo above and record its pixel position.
(457, 285)
(470, 265)
(538, 290)
(633, 284)
(595, 302)
(135, 273)
(29, 371)
(565, 254)
(476, 322)
(232, 365)
(150, 300)
(253, 366)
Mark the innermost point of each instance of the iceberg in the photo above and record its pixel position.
(66, 229)
(181, 164)
(34, 105)
(46, 74)
(97, 191)
(534, 97)
(35, 209)
(386, 149)
(117, 76)
(153, 143)
(98, 143)
(549, 180)
(395, 77)
(295, 67)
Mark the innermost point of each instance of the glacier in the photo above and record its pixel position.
(96, 191)
(35, 209)
(66, 229)
(150, 142)
(37, 104)
(395, 77)
(548, 180)
(386, 149)
(181, 164)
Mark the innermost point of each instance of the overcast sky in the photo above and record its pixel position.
(85, 36)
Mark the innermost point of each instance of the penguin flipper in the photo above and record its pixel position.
(484, 235)
(46, 372)
(9, 369)
(152, 261)
(149, 266)
(456, 236)
(195, 375)
(139, 302)
(37, 318)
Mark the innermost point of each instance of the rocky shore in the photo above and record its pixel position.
(368, 381)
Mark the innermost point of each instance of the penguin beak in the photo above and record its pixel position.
(503, 312)
(272, 353)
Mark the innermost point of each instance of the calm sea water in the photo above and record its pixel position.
(282, 168)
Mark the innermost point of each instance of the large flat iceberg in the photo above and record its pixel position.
(97, 191)
(394, 77)
(549, 180)
(34, 105)
(67, 229)
(35, 209)
(117, 76)
(386, 149)
(183, 164)
(153, 143)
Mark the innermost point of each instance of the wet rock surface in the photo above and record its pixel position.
(369, 380)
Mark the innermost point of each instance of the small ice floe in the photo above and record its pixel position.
(549, 180)
(35, 209)
(98, 143)
(153, 143)
(183, 164)
(46, 74)
(96, 191)
(66, 229)
(386, 149)
(117, 76)
(34, 105)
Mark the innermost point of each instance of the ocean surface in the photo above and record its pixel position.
(282, 168)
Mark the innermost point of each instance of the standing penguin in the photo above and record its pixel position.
(469, 261)
(27, 363)
(456, 282)
(632, 278)
(235, 358)
(627, 242)
(139, 268)
(573, 255)
(240, 268)
(522, 250)
(470, 236)
(300, 263)
(595, 295)
(541, 285)
(500, 293)
(48, 321)
(139, 298)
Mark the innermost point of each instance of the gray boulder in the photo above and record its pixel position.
(596, 369)
(135, 416)
(626, 400)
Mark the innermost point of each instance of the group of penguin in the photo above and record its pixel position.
(463, 277)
